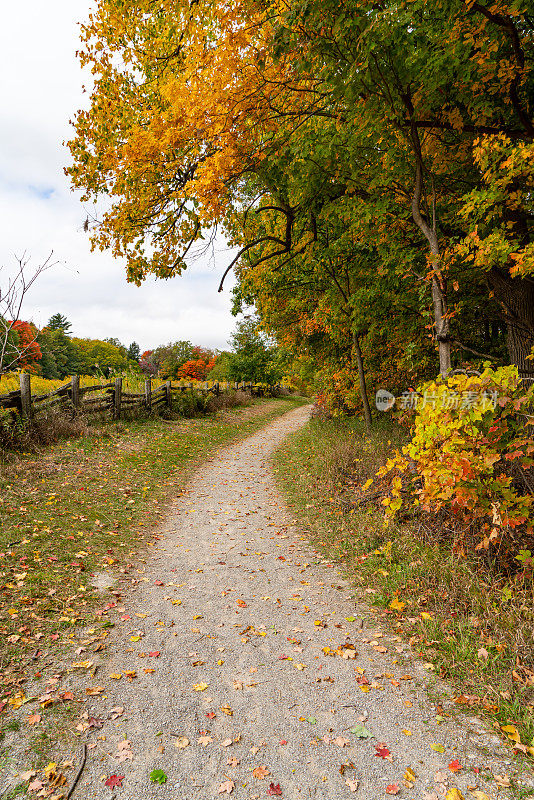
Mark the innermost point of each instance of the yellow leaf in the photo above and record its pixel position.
(50, 769)
(17, 700)
(511, 732)
(406, 732)
(438, 748)
(396, 604)
(454, 794)
(199, 687)
(426, 615)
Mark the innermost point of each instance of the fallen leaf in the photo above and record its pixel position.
(182, 742)
(438, 748)
(274, 790)
(241, 603)
(33, 719)
(393, 788)
(226, 742)
(226, 787)
(478, 795)
(204, 740)
(352, 784)
(227, 710)
(260, 772)
(409, 778)
(511, 732)
(455, 766)
(341, 741)
(396, 604)
(502, 780)
(454, 794)
(382, 751)
(233, 761)
(158, 776)
(114, 780)
(199, 687)
(361, 732)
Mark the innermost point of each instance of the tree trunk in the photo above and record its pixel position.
(438, 286)
(442, 326)
(363, 387)
(516, 298)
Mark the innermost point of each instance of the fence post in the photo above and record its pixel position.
(75, 390)
(168, 394)
(25, 395)
(148, 394)
(216, 389)
(117, 398)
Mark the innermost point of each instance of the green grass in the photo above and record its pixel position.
(455, 612)
(88, 505)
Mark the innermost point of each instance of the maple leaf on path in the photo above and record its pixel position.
(455, 766)
(226, 786)
(274, 790)
(393, 788)
(382, 751)
(260, 772)
(114, 780)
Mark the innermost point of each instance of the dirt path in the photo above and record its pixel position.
(226, 629)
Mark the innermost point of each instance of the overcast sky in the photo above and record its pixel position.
(40, 90)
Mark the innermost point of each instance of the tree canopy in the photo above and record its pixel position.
(371, 161)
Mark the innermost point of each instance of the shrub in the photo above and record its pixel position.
(471, 454)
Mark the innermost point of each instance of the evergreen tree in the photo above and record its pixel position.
(58, 322)
(134, 352)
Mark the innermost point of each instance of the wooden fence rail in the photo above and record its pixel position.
(111, 398)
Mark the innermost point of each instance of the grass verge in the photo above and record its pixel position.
(458, 613)
(85, 506)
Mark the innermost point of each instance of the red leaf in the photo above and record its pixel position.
(274, 789)
(159, 583)
(114, 780)
(211, 715)
(455, 766)
(382, 751)
(393, 788)
(283, 741)
(155, 654)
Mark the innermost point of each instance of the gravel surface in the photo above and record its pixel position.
(227, 626)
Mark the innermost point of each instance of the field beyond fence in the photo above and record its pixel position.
(112, 399)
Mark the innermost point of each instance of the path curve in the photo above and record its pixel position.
(232, 598)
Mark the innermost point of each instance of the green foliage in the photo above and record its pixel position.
(100, 357)
(158, 776)
(253, 357)
(168, 358)
(58, 322)
(471, 444)
(134, 352)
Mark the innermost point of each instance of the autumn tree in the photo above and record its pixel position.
(204, 114)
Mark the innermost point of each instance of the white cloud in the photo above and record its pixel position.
(41, 90)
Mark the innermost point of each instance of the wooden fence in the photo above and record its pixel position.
(110, 397)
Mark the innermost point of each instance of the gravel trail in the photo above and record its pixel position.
(227, 626)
